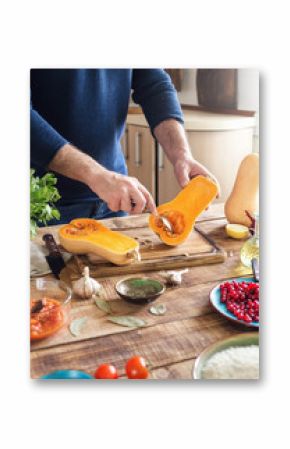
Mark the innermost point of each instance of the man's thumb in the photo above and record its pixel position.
(183, 177)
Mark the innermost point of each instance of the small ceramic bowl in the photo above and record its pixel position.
(139, 290)
(67, 374)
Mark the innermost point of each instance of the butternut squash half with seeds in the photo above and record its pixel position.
(183, 210)
(85, 235)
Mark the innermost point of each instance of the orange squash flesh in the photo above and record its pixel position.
(183, 210)
(85, 235)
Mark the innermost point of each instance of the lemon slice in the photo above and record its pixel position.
(237, 231)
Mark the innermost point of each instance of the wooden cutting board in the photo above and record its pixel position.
(197, 250)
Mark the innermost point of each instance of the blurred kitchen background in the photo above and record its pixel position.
(221, 112)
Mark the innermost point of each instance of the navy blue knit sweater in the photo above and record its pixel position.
(88, 108)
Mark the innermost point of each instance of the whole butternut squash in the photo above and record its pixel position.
(85, 235)
(183, 210)
(245, 194)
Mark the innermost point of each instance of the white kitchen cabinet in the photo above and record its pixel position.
(218, 141)
(139, 151)
(168, 186)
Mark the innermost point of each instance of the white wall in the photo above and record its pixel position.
(248, 96)
(188, 94)
(248, 89)
(248, 93)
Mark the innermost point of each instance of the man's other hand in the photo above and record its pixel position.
(122, 193)
(187, 168)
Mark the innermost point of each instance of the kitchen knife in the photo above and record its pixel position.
(255, 268)
(54, 258)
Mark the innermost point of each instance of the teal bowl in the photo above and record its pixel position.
(215, 299)
(67, 374)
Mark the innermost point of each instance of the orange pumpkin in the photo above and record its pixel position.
(183, 210)
(85, 235)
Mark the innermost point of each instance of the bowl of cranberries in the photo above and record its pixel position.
(238, 300)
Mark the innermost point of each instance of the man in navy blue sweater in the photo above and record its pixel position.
(77, 119)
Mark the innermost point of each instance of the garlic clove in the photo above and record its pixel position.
(86, 287)
(174, 277)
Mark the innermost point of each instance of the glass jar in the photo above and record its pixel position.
(250, 249)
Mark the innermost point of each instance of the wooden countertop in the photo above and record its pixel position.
(203, 121)
(170, 342)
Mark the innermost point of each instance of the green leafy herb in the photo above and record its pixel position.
(103, 305)
(43, 195)
(158, 309)
(76, 326)
(128, 321)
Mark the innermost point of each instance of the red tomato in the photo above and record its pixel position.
(136, 368)
(106, 372)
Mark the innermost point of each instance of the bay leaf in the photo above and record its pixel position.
(128, 321)
(103, 305)
(76, 326)
(158, 309)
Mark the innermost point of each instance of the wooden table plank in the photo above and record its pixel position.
(162, 345)
(190, 299)
(175, 371)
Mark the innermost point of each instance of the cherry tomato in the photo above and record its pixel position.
(136, 368)
(106, 372)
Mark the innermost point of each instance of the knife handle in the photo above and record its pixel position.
(51, 245)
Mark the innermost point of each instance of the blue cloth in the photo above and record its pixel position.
(88, 108)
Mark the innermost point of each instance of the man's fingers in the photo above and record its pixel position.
(138, 201)
(200, 170)
(182, 176)
(126, 205)
(114, 205)
(150, 203)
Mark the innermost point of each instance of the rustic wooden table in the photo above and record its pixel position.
(170, 342)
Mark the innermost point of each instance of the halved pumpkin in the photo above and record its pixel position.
(183, 210)
(85, 235)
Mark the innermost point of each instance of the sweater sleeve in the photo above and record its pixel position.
(154, 91)
(45, 141)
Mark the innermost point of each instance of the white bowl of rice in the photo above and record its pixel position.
(235, 358)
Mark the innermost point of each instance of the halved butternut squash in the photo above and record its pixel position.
(183, 210)
(85, 235)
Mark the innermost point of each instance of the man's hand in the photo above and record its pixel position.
(171, 135)
(118, 191)
(122, 192)
(187, 168)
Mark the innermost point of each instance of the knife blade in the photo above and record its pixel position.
(54, 258)
(255, 268)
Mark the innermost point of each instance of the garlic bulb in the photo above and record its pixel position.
(86, 286)
(174, 277)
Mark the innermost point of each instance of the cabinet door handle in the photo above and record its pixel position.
(137, 150)
(160, 158)
(126, 152)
